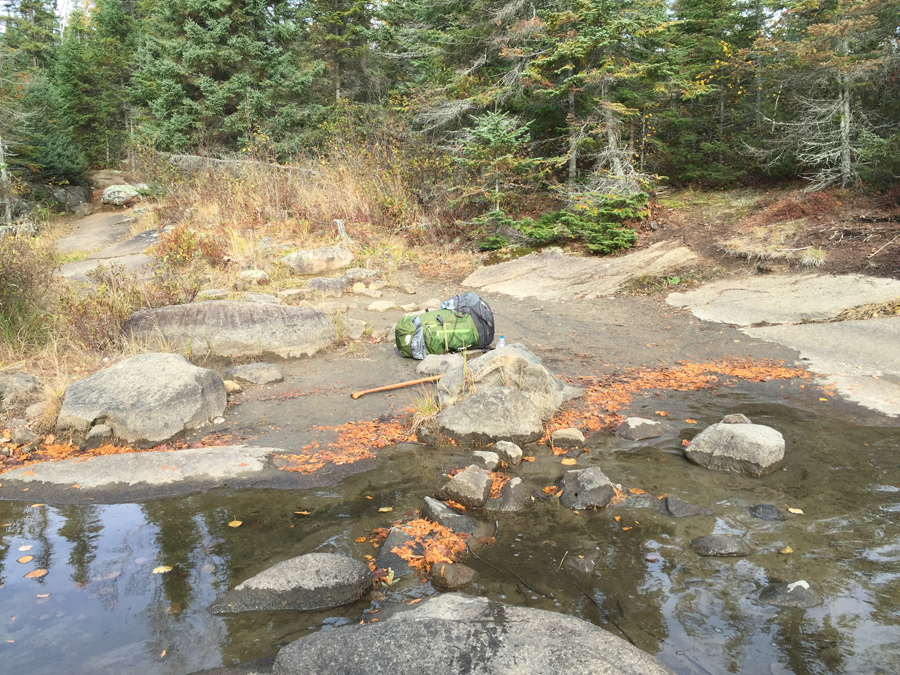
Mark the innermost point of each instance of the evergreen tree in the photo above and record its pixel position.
(29, 34)
(223, 73)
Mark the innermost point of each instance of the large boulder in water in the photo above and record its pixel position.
(148, 397)
(231, 328)
(311, 581)
(455, 633)
(753, 449)
(514, 367)
(489, 415)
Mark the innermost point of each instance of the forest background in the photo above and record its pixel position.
(467, 121)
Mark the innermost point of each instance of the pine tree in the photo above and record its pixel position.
(29, 34)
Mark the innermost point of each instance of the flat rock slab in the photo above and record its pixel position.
(783, 299)
(78, 271)
(869, 376)
(551, 275)
(256, 373)
(492, 414)
(641, 429)
(318, 260)
(438, 364)
(720, 545)
(797, 595)
(94, 233)
(752, 449)
(311, 581)
(453, 633)
(231, 328)
(148, 397)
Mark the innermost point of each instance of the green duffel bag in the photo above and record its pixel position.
(438, 332)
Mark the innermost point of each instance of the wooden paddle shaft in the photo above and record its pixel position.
(424, 380)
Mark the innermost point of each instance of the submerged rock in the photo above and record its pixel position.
(484, 459)
(452, 576)
(797, 595)
(741, 448)
(470, 487)
(454, 633)
(677, 508)
(311, 581)
(514, 497)
(585, 488)
(720, 545)
(766, 512)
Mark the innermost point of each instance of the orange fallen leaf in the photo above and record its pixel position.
(243, 464)
(618, 518)
(302, 513)
(162, 569)
(663, 495)
(798, 512)
(528, 459)
(412, 602)
(235, 523)
(25, 559)
(360, 540)
(550, 489)
(637, 491)
(625, 529)
(786, 550)
(823, 399)
(368, 497)
(568, 461)
(34, 506)
(689, 421)
(662, 413)
(76, 486)
(685, 442)
(385, 509)
(455, 505)
(36, 574)
(163, 653)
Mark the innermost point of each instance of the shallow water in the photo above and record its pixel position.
(107, 613)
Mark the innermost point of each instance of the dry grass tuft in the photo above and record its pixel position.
(875, 310)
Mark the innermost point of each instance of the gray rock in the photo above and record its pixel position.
(5, 452)
(70, 197)
(263, 298)
(326, 288)
(148, 397)
(510, 453)
(486, 460)
(311, 581)
(742, 448)
(514, 497)
(720, 545)
(766, 512)
(318, 260)
(101, 431)
(797, 595)
(454, 633)
(35, 410)
(452, 576)
(360, 289)
(260, 666)
(15, 387)
(117, 195)
(23, 436)
(490, 415)
(512, 367)
(353, 328)
(381, 306)
(640, 429)
(585, 488)
(387, 559)
(736, 419)
(257, 373)
(567, 438)
(359, 273)
(230, 328)
(83, 210)
(15, 422)
(470, 487)
(255, 277)
(438, 512)
(438, 364)
(213, 293)
(677, 508)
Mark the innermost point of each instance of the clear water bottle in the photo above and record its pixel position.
(501, 343)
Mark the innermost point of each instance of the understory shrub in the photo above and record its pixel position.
(26, 279)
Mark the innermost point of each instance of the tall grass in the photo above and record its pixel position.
(26, 284)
